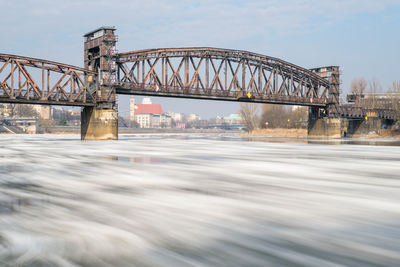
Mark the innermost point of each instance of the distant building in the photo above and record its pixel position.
(160, 121)
(193, 117)
(149, 115)
(233, 119)
(43, 111)
(146, 101)
(181, 125)
(57, 112)
(219, 120)
(177, 117)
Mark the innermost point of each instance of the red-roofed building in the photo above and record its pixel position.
(151, 116)
(148, 109)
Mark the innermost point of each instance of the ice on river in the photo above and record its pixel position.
(197, 200)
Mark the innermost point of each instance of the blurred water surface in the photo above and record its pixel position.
(198, 200)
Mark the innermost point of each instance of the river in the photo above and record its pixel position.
(198, 200)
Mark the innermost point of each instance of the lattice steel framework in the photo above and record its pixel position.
(37, 81)
(99, 57)
(352, 111)
(221, 74)
(204, 73)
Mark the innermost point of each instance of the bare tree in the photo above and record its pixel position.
(13, 110)
(250, 115)
(374, 89)
(394, 91)
(24, 110)
(358, 86)
(280, 116)
(298, 117)
(274, 116)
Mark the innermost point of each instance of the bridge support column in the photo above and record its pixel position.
(364, 126)
(325, 127)
(321, 126)
(99, 124)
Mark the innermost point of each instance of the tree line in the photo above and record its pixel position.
(18, 110)
(273, 116)
(366, 94)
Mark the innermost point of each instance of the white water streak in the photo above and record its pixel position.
(154, 200)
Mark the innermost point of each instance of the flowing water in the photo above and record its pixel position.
(198, 200)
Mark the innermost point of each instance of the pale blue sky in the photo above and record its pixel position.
(362, 37)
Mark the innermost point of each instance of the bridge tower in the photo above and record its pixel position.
(100, 122)
(326, 122)
(331, 74)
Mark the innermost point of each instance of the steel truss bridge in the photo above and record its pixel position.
(222, 74)
(27, 80)
(200, 73)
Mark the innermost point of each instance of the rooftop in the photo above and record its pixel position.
(233, 117)
(148, 109)
(99, 29)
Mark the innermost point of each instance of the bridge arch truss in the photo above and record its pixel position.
(222, 74)
(37, 81)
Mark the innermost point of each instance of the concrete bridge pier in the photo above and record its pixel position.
(321, 126)
(99, 124)
(325, 127)
(363, 126)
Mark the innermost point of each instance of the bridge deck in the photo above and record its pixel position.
(195, 94)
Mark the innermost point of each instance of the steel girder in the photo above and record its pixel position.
(220, 74)
(352, 111)
(37, 81)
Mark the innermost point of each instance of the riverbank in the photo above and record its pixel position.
(282, 132)
(124, 130)
(277, 132)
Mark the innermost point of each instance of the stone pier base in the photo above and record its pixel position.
(99, 124)
(325, 127)
(363, 127)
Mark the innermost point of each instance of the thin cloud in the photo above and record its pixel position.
(235, 19)
(290, 29)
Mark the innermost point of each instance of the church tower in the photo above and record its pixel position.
(132, 108)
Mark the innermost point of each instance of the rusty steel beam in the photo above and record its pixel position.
(220, 97)
(352, 111)
(48, 65)
(218, 53)
(63, 85)
(223, 73)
